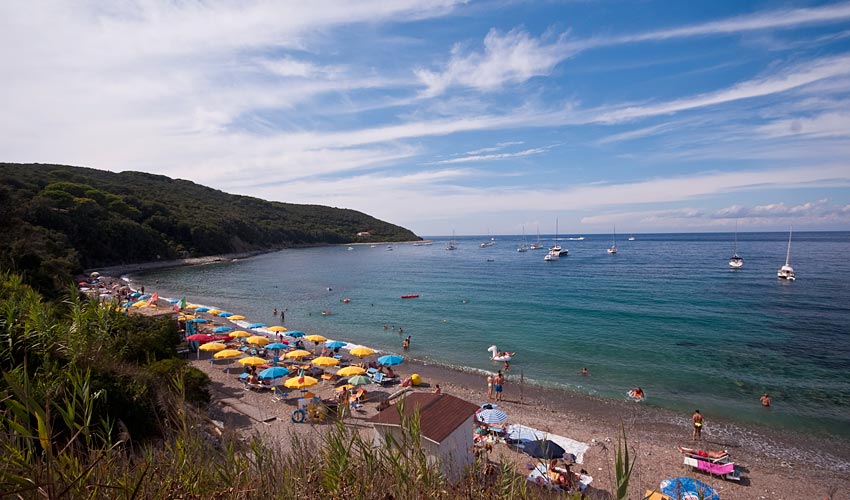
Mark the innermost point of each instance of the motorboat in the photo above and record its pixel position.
(389, 248)
(786, 272)
(411, 296)
(495, 355)
(736, 261)
(555, 251)
(631, 238)
(350, 248)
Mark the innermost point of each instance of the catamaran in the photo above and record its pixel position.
(555, 251)
(613, 248)
(786, 272)
(736, 261)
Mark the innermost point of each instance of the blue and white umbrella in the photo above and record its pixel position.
(390, 360)
(225, 314)
(335, 344)
(685, 488)
(273, 373)
(256, 325)
(295, 334)
(490, 417)
(222, 329)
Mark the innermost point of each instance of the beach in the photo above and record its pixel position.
(653, 434)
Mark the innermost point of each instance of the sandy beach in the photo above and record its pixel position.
(774, 464)
(653, 434)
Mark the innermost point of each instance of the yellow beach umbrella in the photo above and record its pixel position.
(192, 306)
(236, 317)
(350, 371)
(300, 353)
(258, 340)
(141, 303)
(278, 329)
(325, 361)
(253, 361)
(239, 334)
(362, 352)
(213, 311)
(213, 346)
(227, 353)
(301, 382)
(315, 338)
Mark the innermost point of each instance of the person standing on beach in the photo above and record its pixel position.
(489, 387)
(498, 381)
(697, 420)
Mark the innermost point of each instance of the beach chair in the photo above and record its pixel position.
(371, 372)
(278, 394)
(379, 378)
(723, 467)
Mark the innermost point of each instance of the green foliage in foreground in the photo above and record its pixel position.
(60, 219)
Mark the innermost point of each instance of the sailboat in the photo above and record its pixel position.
(555, 251)
(523, 247)
(452, 245)
(786, 272)
(736, 261)
(537, 245)
(613, 248)
(489, 243)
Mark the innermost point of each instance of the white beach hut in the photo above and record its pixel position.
(446, 424)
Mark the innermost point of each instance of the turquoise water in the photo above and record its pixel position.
(665, 313)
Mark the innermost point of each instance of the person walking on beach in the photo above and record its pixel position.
(489, 387)
(697, 420)
(498, 381)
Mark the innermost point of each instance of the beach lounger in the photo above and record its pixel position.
(722, 467)
(379, 378)
(371, 372)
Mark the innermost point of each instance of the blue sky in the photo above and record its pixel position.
(442, 115)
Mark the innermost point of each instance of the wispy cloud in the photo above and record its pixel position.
(512, 57)
(834, 124)
(493, 157)
(497, 147)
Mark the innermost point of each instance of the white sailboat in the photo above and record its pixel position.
(490, 241)
(452, 245)
(736, 261)
(523, 247)
(613, 248)
(555, 251)
(786, 272)
(537, 245)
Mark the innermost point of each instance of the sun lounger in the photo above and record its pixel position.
(722, 467)
(540, 475)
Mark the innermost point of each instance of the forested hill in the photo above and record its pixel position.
(60, 219)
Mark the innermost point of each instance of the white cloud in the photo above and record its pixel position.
(493, 157)
(834, 124)
(497, 147)
(510, 58)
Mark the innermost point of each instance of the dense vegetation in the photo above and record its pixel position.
(59, 220)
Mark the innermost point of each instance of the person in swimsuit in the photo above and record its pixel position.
(497, 385)
(765, 400)
(697, 420)
(489, 387)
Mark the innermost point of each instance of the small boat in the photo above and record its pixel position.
(786, 272)
(346, 300)
(736, 261)
(495, 355)
(631, 238)
(580, 238)
(350, 248)
(555, 251)
(389, 248)
(613, 248)
(373, 246)
(411, 296)
(326, 312)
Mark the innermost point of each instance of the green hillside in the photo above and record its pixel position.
(60, 219)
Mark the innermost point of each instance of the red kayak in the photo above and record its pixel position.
(415, 296)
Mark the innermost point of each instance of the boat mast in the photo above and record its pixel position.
(788, 252)
(735, 253)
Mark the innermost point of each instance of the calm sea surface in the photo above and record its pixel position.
(665, 313)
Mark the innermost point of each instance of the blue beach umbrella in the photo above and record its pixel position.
(390, 360)
(256, 325)
(335, 344)
(145, 296)
(276, 345)
(173, 301)
(685, 488)
(135, 294)
(273, 373)
(222, 329)
(225, 314)
(202, 309)
(295, 334)
(197, 320)
(492, 416)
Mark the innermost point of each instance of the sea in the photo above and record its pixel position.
(665, 313)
